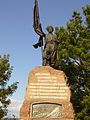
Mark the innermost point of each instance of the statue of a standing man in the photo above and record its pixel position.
(49, 52)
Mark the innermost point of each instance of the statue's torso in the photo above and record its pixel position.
(50, 37)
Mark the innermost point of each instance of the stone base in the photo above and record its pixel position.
(47, 96)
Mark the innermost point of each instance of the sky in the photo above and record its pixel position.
(17, 36)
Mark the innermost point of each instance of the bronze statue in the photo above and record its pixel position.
(49, 52)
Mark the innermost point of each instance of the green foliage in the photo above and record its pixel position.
(5, 89)
(74, 60)
(86, 11)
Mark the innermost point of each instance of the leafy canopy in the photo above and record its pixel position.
(5, 89)
(74, 60)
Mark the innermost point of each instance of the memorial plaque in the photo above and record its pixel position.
(47, 96)
(46, 110)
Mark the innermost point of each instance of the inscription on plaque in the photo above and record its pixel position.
(47, 86)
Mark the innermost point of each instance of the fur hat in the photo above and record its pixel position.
(50, 29)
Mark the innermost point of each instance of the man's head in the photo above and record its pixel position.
(50, 29)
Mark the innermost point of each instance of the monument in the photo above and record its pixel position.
(49, 52)
(47, 94)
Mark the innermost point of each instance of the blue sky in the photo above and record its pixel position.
(17, 35)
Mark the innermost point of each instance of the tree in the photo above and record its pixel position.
(74, 60)
(5, 89)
